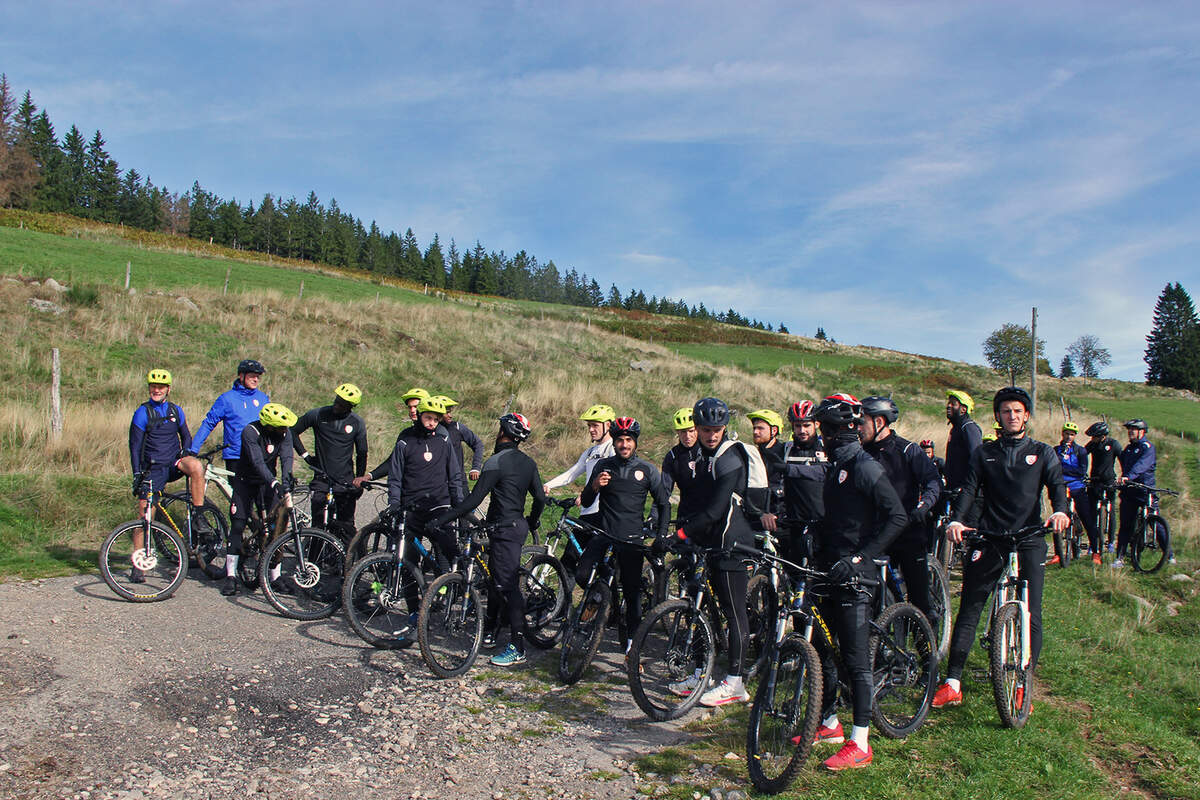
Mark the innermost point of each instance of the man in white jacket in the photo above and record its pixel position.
(597, 418)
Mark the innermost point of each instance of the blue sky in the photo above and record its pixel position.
(909, 175)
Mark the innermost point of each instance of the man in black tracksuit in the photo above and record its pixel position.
(724, 507)
(263, 470)
(1103, 452)
(622, 482)
(679, 464)
(863, 516)
(423, 479)
(459, 435)
(340, 445)
(964, 437)
(507, 476)
(918, 486)
(767, 425)
(1002, 492)
(804, 468)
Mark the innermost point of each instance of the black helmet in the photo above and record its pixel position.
(1097, 429)
(839, 409)
(801, 411)
(251, 367)
(710, 413)
(515, 427)
(624, 426)
(876, 406)
(1011, 393)
(1136, 424)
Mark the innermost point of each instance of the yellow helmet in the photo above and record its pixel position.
(768, 416)
(683, 419)
(1070, 427)
(350, 393)
(963, 398)
(599, 413)
(277, 415)
(431, 404)
(159, 376)
(446, 401)
(989, 437)
(419, 394)
(996, 426)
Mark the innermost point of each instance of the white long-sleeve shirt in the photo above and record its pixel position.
(583, 466)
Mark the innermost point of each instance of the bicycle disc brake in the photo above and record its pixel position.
(144, 559)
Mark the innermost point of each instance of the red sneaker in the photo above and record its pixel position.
(1051, 561)
(825, 734)
(946, 696)
(1096, 559)
(849, 757)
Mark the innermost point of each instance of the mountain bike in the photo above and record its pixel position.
(302, 570)
(1150, 544)
(142, 560)
(892, 591)
(1006, 638)
(451, 617)
(1066, 543)
(561, 541)
(600, 601)
(1106, 520)
(946, 552)
(382, 590)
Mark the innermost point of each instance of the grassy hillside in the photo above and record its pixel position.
(1117, 712)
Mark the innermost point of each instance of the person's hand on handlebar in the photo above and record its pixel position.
(955, 531)
(359, 481)
(770, 522)
(1058, 521)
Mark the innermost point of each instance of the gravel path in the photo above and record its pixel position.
(203, 696)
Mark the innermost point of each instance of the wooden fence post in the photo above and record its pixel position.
(301, 290)
(56, 418)
(128, 269)
(225, 288)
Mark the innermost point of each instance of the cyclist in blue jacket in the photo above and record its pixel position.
(234, 410)
(1074, 460)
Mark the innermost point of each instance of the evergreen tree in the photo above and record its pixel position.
(49, 193)
(413, 263)
(434, 265)
(18, 170)
(1066, 369)
(1173, 346)
(103, 181)
(821, 334)
(374, 257)
(614, 297)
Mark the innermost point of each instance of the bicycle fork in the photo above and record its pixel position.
(1016, 591)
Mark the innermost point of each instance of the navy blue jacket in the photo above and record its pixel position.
(158, 441)
(422, 471)
(1138, 462)
(964, 439)
(1074, 460)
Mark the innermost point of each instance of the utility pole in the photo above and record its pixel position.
(1033, 358)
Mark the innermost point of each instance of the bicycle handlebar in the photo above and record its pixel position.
(1150, 489)
(1027, 532)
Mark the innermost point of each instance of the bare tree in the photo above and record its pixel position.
(1089, 357)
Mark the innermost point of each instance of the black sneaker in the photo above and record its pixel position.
(230, 587)
(136, 575)
(489, 641)
(200, 525)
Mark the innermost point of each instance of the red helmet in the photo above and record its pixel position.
(927, 443)
(839, 409)
(801, 411)
(515, 427)
(624, 426)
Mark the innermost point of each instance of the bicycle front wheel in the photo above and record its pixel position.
(143, 564)
(543, 584)
(302, 573)
(1010, 681)
(761, 602)
(671, 661)
(582, 636)
(904, 670)
(1150, 545)
(450, 626)
(381, 596)
(939, 600)
(1062, 550)
(784, 716)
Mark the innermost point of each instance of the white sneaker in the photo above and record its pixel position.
(723, 693)
(1118, 563)
(1171, 560)
(685, 687)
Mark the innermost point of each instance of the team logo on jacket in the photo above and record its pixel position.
(256, 402)
(842, 475)
(975, 554)
(270, 448)
(428, 455)
(349, 429)
(1031, 460)
(638, 474)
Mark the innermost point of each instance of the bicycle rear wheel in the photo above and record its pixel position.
(1010, 682)
(381, 595)
(143, 565)
(372, 538)
(1150, 544)
(543, 584)
(671, 661)
(904, 669)
(209, 528)
(1062, 550)
(784, 716)
(302, 573)
(450, 626)
(761, 602)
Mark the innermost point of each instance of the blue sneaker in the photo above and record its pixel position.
(509, 658)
